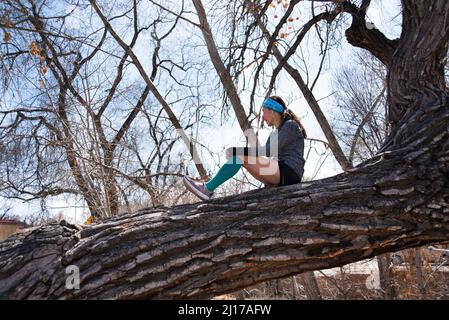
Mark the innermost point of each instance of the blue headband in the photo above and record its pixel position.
(273, 105)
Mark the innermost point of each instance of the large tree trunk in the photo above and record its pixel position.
(417, 67)
(398, 199)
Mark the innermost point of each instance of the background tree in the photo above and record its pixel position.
(360, 104)
(77, 105)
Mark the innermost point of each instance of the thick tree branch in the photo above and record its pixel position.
(364, 36)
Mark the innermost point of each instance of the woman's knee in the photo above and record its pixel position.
(267, 173)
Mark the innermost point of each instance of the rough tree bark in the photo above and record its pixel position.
(398, 199)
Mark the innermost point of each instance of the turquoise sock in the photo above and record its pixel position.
(226, 172)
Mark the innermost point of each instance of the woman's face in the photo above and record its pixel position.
(268, 116)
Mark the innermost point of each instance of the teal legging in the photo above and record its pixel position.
(226, 172)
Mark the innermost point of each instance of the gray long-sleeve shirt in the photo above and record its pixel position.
(290, 146)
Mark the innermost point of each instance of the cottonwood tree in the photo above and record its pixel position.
(397, 199)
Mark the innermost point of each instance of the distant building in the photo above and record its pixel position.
(8, 227)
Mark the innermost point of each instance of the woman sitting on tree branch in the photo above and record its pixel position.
(280, 162)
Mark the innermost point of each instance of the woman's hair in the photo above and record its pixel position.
(289, 115)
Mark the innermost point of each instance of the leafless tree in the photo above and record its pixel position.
(360, 99)
(4, 212)
(68, 128)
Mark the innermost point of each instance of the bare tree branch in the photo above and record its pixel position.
(153, 89)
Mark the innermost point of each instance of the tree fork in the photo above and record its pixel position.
(359, 34)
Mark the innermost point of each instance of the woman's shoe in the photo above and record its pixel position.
(197, 188)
